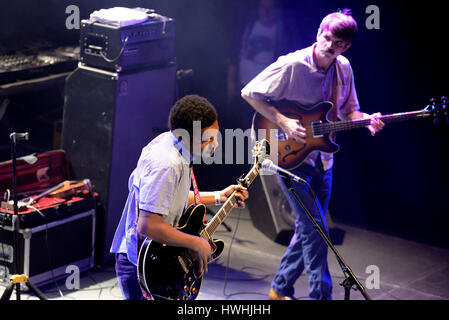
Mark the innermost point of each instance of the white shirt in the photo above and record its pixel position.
(159, 184)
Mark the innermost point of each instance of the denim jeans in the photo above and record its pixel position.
(307, 249)
(127, 278)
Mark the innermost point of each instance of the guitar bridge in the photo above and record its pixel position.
(315, 132)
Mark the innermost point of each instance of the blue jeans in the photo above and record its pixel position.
(307, 249)
(127, 278)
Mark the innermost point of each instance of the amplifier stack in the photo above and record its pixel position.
(118, 48)
(116, 101)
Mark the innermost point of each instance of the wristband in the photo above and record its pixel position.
(217, 198)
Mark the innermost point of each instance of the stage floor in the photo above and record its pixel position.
(407, 270)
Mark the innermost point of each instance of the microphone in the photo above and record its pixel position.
(19, 136)
(267, 164)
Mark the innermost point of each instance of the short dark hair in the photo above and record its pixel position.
(191, 108)
(341, 24)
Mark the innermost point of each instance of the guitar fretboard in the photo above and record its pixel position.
(324, 128)
(219, 217)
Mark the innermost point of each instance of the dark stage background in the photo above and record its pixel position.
(395, 183)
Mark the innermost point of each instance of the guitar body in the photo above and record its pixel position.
(290, 153)
(167, 272)
(321, 126)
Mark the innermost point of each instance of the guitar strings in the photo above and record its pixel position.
(328, 127)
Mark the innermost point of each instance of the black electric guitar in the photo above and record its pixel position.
(289, 153)
(167, 272)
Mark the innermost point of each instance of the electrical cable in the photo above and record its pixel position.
(103, 55)
(48, 248)
(226, 278)
(233, 238)
(96, 283)
(253, 277)
(229, 256)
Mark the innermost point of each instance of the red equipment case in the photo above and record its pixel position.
(50, 169)
(62, 228)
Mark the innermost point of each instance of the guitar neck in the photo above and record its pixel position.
(360, 123)
(219, 217)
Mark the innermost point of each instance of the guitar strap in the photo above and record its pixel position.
(334, 111)
(196, 192)
(195, 188)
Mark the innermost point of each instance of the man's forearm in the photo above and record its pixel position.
(265, 109)
(152, 226)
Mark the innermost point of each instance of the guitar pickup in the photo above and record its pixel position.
(314, 133)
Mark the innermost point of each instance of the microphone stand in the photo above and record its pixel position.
(350, 278)
(17, 279)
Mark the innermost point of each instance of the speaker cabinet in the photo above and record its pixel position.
(108, 119)
(269, 209)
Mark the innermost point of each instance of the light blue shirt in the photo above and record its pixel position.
(159, 184)
(296, 77)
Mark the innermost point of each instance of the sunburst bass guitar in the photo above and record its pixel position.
(170, 273)
(320, 129)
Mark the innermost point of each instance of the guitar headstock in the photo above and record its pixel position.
(439, 110)
(261, 150)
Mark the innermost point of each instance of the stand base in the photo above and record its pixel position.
(16, 280)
